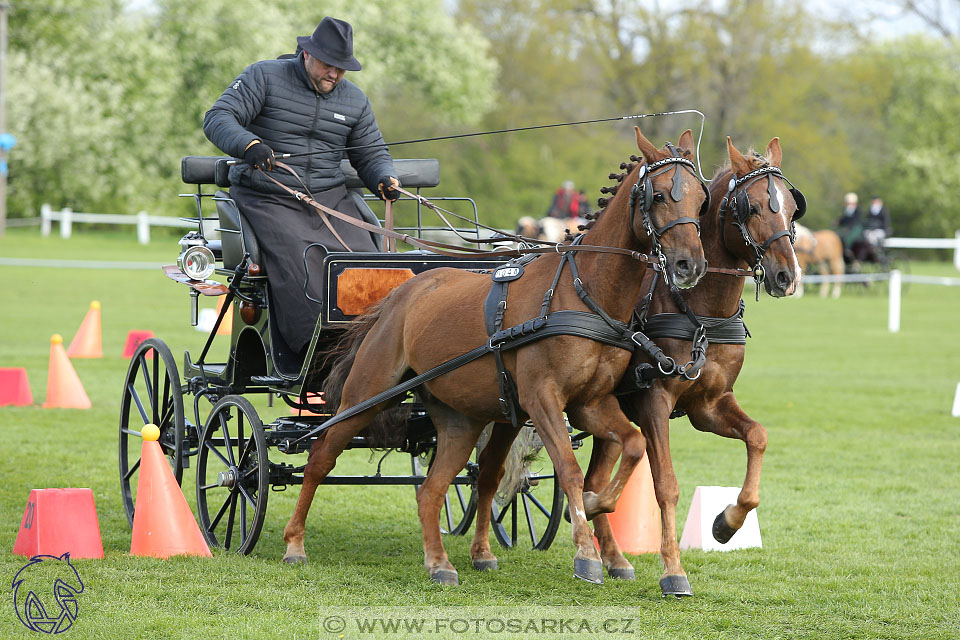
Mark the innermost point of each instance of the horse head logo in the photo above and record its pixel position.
(32, 587)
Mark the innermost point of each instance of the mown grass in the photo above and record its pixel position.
(859, 511)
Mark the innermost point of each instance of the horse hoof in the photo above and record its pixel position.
(588, 570)
(622, 573)
(295, 559)
(722, 532)
(445, 577)
(485, 565)
(677, 586)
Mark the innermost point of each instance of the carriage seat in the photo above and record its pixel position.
(237, 236)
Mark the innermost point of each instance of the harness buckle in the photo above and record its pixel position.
(667, 372)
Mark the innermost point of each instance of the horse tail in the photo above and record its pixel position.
(516, 467)
(388, 429)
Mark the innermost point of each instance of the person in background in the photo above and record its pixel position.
(566, 202)
(849, 226)
(876, 229)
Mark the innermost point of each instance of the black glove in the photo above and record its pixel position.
(260, 156)
(386, 187)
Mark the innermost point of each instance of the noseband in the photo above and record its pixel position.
(642, 193)
(738, 202)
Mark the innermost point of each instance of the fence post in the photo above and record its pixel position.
(45, 214)
(66, 222)
(143, 227)
(956, 251)
(893, 319)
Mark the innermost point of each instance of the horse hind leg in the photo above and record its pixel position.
(456, 437)
(367, 377)
(491, 471)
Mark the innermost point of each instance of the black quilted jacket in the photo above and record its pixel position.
(274, 101)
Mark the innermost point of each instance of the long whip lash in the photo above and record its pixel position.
(386, 145)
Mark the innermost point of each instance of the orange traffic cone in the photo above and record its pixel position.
(14, 387)
(64, 390)
(58, 521)
(163, 524)
(226, 327)
(312, 400)
(87, 343)
(134, 338)
(636, 520)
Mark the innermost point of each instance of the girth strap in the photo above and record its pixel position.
(494, 309)
(567, 322)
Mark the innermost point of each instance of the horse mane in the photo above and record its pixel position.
(627, 168)
(757, 159)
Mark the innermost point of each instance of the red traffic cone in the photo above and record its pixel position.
(163, 524)
(636, 520)
(64, 390)
(226, 327)
(134, 338)
(14, 387)
(57, 521)
(87, 342)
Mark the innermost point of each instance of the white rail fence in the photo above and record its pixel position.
(896, 281)
(928, 243)
(143, 221)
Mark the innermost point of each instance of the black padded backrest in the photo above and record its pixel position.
(413, 173)
(236, 236)
(205, 170)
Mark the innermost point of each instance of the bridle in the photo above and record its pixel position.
(738, 203)
(642, 193)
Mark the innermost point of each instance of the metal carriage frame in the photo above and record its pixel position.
(234, 473)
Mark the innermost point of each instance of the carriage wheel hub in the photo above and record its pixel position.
(227, 478)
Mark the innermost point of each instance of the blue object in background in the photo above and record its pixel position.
(7, 142)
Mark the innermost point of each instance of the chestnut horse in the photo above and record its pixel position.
(437, 315)
(824, 249)
(734, 238)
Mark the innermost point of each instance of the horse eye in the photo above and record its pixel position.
(658, 197)
(754, 210)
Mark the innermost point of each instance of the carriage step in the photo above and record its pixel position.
(270, 381)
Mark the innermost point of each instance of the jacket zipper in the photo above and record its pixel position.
(313, 127)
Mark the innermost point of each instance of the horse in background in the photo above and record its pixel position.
(547, 229)
(823, 249)
(437, 315)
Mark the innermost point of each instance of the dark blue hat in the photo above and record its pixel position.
(332, 43)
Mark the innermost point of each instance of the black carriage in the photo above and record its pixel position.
(231, 447)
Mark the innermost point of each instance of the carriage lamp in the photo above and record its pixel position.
(195, 259)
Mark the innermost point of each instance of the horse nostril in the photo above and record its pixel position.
(783, 279)
(681, 267)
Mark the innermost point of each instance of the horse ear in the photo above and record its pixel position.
(739, 164)
(686, 143)
(646, 147)
(774, 153)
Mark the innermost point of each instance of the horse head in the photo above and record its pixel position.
(761, 206)
(665, 204)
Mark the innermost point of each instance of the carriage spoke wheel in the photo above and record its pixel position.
(460, 505)
(532, 515)
(151, 395)
(233, 473)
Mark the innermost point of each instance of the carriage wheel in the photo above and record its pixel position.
(534, 512)
(233, 473)
(460, 506)
(151, 394)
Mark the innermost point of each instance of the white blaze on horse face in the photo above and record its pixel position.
(782, 198)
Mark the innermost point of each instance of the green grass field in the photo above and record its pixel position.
(860, 497)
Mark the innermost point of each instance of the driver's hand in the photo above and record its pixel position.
(260, 156)
(388, 189)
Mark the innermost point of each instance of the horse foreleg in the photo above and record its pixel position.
(725, 418)
(491, 472)
(455, 442)
(604, 419)
(603, 457)
(545, 408)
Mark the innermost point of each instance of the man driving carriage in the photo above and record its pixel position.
(301, 105)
